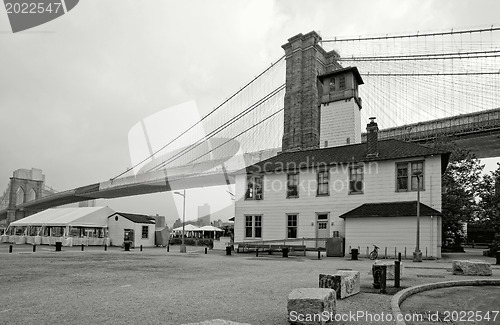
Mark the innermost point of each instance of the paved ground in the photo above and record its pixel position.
(458, 305)
(156, 287)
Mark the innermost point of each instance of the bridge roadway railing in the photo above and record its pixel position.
(483, 121)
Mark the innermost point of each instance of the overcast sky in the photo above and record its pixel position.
(71, 89)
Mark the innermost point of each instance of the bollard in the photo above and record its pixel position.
(354, 254)
(58, 246)
(285, 251)
(497, 255)
(228, 250)
(10, 248)
(34, 248)
(82, 248)
(105, 247)
(206, 250)
(141, 248)
(383, 280)
(397, 274)
(319, 254)
(168, 248)
(126, 246)
(257, 252)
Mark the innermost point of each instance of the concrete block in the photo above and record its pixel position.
(390, 266)
(311, 306)
(350, 283)
(345, 283)
(330, 281)
(471, 267)
(217, 322)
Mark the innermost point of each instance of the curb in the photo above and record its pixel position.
(402, 295)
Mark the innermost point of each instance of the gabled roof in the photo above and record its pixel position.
(388, 149)
(75, 217)
(354, 70)
(390, 209)
(138, 218)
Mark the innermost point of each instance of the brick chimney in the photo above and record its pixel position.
(372, 139)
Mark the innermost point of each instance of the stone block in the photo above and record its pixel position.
(307, 306)
(217, 322)
(350, 283)
(345, 283)
(471, 267)
(390, 266)
(330, 281)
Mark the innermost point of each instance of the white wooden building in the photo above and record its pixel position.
(318, 194)
(140, 229)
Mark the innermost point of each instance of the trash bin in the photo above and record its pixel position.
(228, 250)
(58, 246)
(126, 245)
(354, 254)
(497, 255)
(284, 250)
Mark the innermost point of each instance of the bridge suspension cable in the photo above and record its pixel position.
(221, 109)
(417, 77)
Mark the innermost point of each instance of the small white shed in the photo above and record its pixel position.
(392, 226)
(138, 228)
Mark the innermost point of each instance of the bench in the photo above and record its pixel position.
(264, 248)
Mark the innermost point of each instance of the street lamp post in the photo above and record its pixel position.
(183, 245)
(417, 255)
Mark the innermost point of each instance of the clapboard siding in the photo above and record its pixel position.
(379, 186)
(399, 233)
(116, 231)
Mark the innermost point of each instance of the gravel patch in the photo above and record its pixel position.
(156, 287)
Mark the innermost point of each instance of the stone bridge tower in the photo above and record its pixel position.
(321, 100)
(25, 185)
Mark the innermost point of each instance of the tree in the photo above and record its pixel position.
(460, 182)
(489, 204)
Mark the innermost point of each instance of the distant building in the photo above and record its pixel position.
(87, 204)
(203, 215)
(160, 221)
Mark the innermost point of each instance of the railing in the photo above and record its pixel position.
(310, 243)
(456, 125)
(391, 252)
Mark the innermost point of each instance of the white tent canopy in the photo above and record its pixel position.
(211, 228)
(74, 217)
(187, 227)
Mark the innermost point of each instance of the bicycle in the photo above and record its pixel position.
(374, 253)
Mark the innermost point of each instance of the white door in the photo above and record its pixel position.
(321, 229)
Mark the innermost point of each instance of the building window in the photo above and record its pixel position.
(406, 180)
(145, 232)
(292, 226)
(253, 226)
(332, 84)
(323, 178)
(341, 82)
(254, 188)
(356, 180)
(292, 185)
